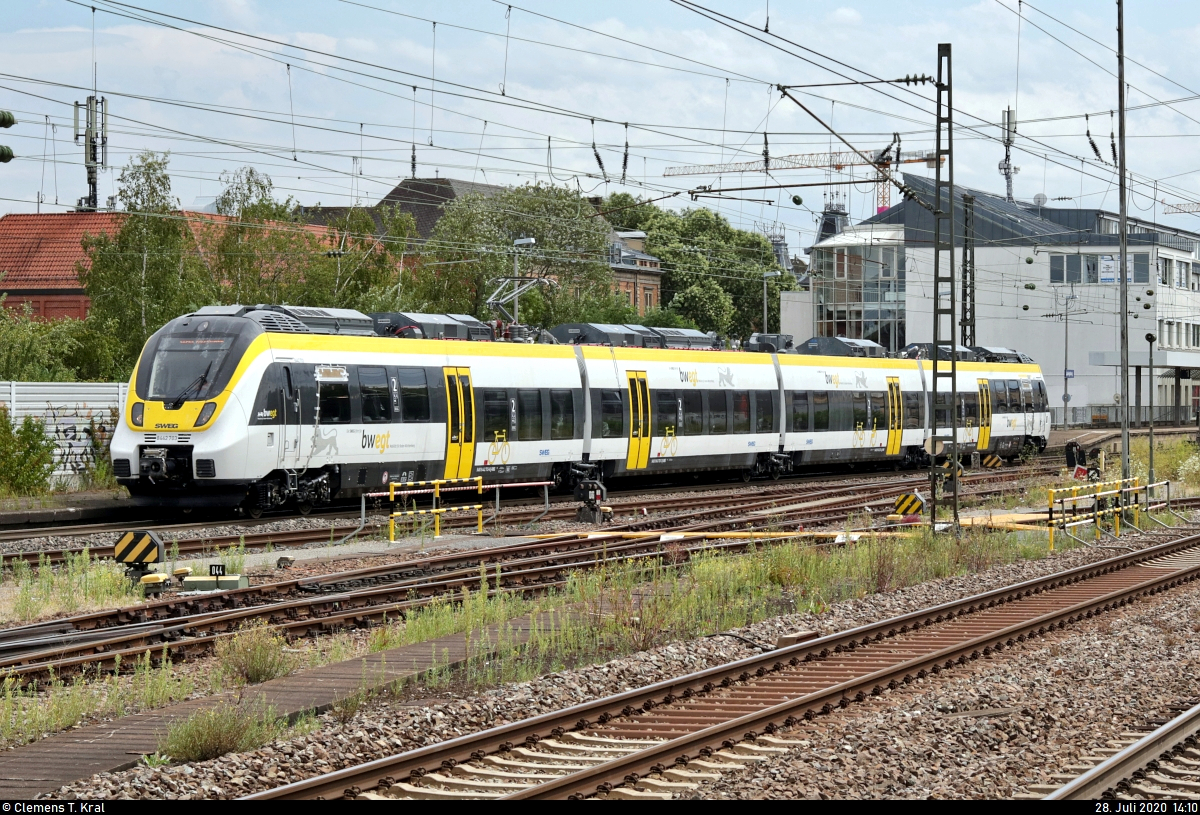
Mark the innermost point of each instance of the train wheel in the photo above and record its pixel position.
(746, 475)
(304, 507)
(254, 510)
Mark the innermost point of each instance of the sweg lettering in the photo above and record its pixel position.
(689, 377)
(166, 426)
(379, 441)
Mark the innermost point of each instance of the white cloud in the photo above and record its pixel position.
(845, 16)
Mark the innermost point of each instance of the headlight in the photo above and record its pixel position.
(206, 413)
(138, 412)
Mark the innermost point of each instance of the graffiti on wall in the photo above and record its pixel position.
(82, 433)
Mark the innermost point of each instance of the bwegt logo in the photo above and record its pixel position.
(379, 441)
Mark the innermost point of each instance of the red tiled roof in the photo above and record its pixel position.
(40, 251)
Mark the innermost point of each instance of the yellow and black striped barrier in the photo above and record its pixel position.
(437, 518)
(1108, 499)
(993, 461)
(138, 548)
(910, 503)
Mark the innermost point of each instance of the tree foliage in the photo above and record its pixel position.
(699, 245)
(473, 250)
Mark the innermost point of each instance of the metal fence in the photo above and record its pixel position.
(72, 411)
(1110, 416)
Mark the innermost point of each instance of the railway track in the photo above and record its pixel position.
(623, 504)
(1163, 764)
(307, 606)
(660, 740)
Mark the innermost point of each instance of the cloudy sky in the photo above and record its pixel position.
(320, 95)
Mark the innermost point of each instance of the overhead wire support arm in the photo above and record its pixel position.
(905, 190)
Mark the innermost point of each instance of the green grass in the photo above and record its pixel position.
(229, 727)
(624, 608)
(80, 583)
(255, 654)
(1175, 459)
(29, 713)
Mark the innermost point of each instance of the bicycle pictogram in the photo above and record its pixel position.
(498, 450)
(670, 443)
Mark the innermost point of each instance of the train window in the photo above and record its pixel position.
(529, 415)
(335, 402)
(373, 389)
(1014, 396)
(841, 415)
(612, 415)
(718, 412)
(862, 418)
(454, 420)
(693, 414)
(468, 401)
(969, 408)
(495, 414)
(1027, 397)
(800, 412)
(913, 415)
(287, 376)
(941, 413)
(741, 411)
(879, 417)
(414, 394)
(764, 414)
(562, 415)
(999, 396)
(666, 413)
(1042, 401)
(820, 410)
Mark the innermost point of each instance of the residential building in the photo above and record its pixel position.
(1046, 285)
(422, 198)
(39, 259)
(637, 276)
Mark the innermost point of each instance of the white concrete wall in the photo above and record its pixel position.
(1011, 315)
(796, 315)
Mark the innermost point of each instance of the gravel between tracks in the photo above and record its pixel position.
(1080, 701)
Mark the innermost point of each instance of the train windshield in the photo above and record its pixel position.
(192, 358)
(184, 366)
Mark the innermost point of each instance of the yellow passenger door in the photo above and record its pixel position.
(985, 415)
(895, 415)
(639, 421)
(460, 423)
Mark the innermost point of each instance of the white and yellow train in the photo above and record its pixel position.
(262, 407)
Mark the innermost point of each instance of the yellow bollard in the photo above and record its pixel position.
(1050, 512)
(391, 529)
(479, 520)
(437, 524)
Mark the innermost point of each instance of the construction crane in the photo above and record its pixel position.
(883, 160)
(1169, 209)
